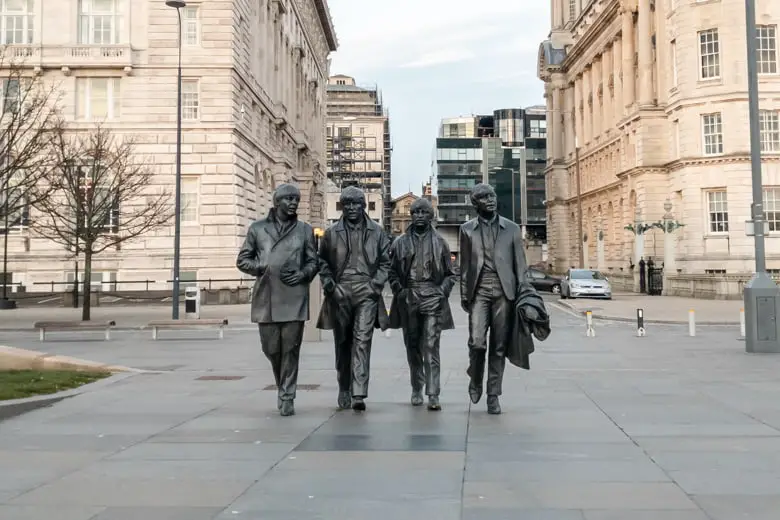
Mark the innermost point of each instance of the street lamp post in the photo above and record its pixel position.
(178, 5)
(762, 296)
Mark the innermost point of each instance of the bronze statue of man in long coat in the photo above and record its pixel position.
(354, 265)
(421, 278)
(492, 278)
(280, 251)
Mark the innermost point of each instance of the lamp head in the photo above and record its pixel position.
(176, 4)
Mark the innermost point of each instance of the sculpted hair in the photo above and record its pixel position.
(421, 204)
(352, 194)
(480, 190)
(285, 190)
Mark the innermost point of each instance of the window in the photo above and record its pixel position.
(538, 128)
(717, 212)
(767, 49)
(676, 137)
(769, 122)
(190, 100)
(372, 206)
(18, 206)
(190, 26)
(459, 154)
(772, 208)
(98, 22)
(17, 21)
(712, 131)
(572, 9)
(97, 98)
(190, 191)
(12, 95)
(709, 54)
(673, 55)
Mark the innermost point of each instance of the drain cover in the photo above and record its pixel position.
(299, 387)
(219, 378)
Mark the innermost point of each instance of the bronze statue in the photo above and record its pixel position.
(280, 251)
(354, 265)
(495, 294)
(421, 278)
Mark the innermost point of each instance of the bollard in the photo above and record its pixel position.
(742, 323)
(691, 323)
(388, 333)
(640, 323)
(589, 321)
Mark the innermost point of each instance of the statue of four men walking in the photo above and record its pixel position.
(356, 259)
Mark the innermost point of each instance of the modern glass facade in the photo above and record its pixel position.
(458, 169)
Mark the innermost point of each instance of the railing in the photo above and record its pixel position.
(71, 55)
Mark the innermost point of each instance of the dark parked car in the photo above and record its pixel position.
(544, 282)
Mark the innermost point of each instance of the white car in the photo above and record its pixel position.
(587, 283)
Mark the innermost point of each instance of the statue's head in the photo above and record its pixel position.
(353, 203)
(286, 200)
(483, 198)
(421, 211)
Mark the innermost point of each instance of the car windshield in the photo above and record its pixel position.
(587, 275)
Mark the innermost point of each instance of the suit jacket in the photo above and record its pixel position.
(402, 255)
(334, 253)
(264, 254)
(509, 258)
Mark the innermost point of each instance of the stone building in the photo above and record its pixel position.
(649, 99)
(402, 216)
(254, 80)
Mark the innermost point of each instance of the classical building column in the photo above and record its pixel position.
(552, 135)
(595, 79)
(587, 95)
(617, 62)
(629, 86)
(646, 94)
(569, 118)
(606, 106)
(579, 128)
(558, 120)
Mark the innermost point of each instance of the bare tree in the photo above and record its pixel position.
(30, 121)
(104, 197)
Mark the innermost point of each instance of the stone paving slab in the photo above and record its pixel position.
(615, 427)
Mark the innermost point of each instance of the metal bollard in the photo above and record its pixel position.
(640, 323)
(691, 323)
(742, 323)
(388, 332)
(589, 332)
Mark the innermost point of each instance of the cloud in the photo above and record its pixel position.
(441, 57)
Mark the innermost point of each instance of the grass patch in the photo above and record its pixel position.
(18, 384)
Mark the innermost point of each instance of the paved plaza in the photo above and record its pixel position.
(666, 427)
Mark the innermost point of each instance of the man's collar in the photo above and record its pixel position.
(490, 221)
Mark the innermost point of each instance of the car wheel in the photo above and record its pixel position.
(556, 289)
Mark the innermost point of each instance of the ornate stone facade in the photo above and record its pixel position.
(651, 97)
(254, 116)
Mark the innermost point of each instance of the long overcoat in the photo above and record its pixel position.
(334, 254)
(402, 255)
(264, 254)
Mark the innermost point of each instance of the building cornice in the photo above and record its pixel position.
(327, 24)
(740, 157)
(595, 32)
(585, 195)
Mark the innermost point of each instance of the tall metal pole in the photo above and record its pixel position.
(579, 204)
(177, 219)
(757, 209)
(5, 242)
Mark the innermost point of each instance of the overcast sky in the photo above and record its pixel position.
(439, 58)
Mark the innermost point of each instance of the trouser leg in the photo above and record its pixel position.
(362, 338)
(479, 322)
(291, 339)
(429, 344)
(500, 334)
(414, 353)
(271, 343)
(342, 335)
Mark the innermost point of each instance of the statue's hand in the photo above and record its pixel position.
(292, 277)
(465, 305)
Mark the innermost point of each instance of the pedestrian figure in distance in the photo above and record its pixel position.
(280, 251)
(354, 264)
(494, 293)
(421, 278)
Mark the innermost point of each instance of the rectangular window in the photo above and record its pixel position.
(190, 26)
(766, 52)
(712, 133)
(709, 54)
(572, 9)
(190, 100)
(16, 22)
(772, 208)
(538, 128)
(97, 98)
(98, 22)
(769, 122)
(673, 56)
(12, 95)
(190, 191)
(717, 212)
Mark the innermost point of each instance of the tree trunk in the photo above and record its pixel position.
(86, 291)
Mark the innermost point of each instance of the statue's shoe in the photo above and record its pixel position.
(287, 409)
(433, 403)
(345, 400)
(358, 404)
(417, 398)
(493, 406)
